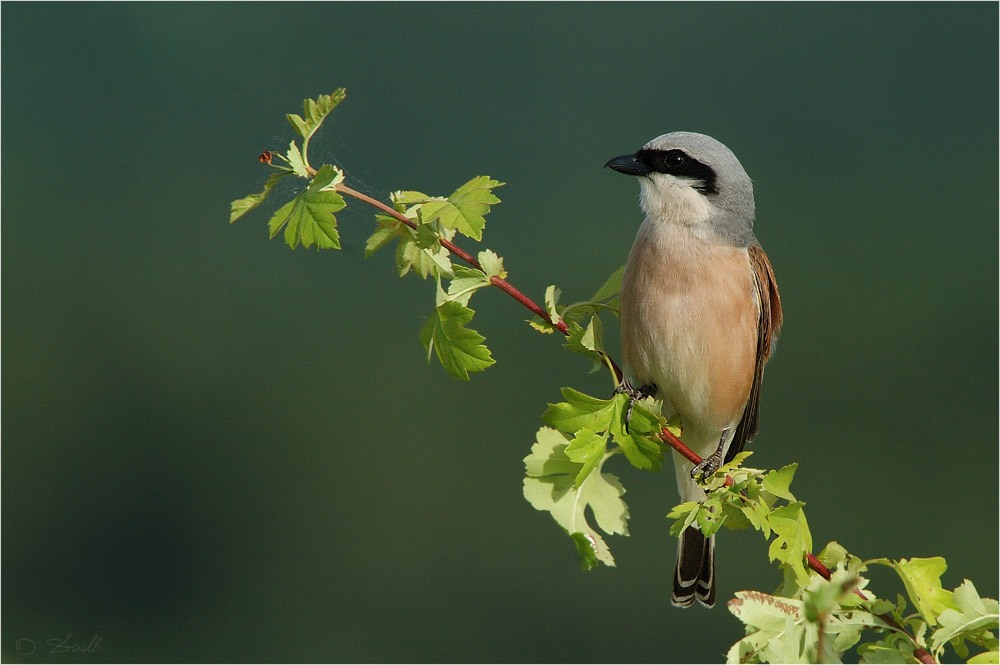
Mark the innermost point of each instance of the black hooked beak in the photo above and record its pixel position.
(630, 165)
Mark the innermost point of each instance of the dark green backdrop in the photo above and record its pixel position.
(215, 449)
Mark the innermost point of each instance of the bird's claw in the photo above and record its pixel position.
(634, 395)
(707, 467)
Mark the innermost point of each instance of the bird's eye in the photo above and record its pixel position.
(675, 158)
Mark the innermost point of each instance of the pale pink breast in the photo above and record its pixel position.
(689, 325)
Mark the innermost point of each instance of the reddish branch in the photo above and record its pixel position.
(498, 282)
(665, 435)
(921, 653)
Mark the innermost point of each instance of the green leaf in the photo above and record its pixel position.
(295, 161)
(240, 207)
(425, 261)
(832, 555)
(777, 482)
(465, 208)
(388, 228)
(402, 199)
(792, 540)
(611, 287)
(922, 578)
(459, 349)
(775, 626)
(758, 513)
(684, 515)
(308, 218)
(541, 326)
(466, 282)
(586, 448)
(315, 110)
(580, 411)
(492, 264)
(552, 294)
(587, 341)
(639, 443)
(879, 653)
(549, 486)
(972, 619)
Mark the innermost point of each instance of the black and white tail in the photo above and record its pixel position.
(694, 577)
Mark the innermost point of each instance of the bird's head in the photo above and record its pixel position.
(692, 179)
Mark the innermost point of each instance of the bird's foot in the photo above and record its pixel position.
(634, 395)
(707, 466)
(713, 462)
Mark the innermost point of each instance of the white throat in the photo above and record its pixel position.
(671, 200)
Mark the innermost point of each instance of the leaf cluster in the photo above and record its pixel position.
(812, 619)
(420, 248)
(308, 219)
(821, 620)
(565, 467)
(582, 318)
(809, 618)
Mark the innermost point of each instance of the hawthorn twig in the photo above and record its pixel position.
(665, 435)
(496, 281)
(921, 653)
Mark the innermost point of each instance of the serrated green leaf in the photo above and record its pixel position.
(327, 177)
(778, 482)
(432, 261)
(735, 519)
(967, 600)
(586, 448)
(792, 540)
(240, 207)
(639, 443)
(315, 111)
(985, 657)
(427, 238)
(466, 282)
(403, 199)
(971, 619)
(586, 547)
(541, 326)
(460, 349)
(780, 632)
(549, 486)
(492, 264)
(757, 513)
(587, 341)
(922, 579)
(294, 158)
(388, 228)
(552, 294)
(878, 654)
(465, 208)
(684, 515)
(580, 411)
(832, 555)
(611, 286)
(308, 218)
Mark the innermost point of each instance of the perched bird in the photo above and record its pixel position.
(700, 314)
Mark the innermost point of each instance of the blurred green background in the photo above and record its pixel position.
(216, 449)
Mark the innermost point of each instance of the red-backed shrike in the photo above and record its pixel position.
(700, 314)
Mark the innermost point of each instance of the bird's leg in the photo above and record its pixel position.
(710, 464)
(634, 394)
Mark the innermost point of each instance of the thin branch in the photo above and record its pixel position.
(921, 653)
(665, 435)
(498, 282)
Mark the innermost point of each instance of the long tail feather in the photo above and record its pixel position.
(694, 576)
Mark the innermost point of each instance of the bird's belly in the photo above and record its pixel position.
(690, 328)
